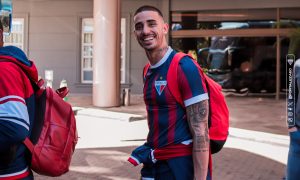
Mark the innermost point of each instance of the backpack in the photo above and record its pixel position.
(54, 135)
(218, 119)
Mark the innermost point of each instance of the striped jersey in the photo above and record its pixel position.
(17, 108)
(167, 120)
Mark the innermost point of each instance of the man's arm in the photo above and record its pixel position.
(14, 118)
(197, 115)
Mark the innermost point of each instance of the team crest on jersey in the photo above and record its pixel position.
(160, 86)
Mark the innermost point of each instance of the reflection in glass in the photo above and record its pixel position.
(237, 62)
(16, 37)
(223, 19)
(87, 63)
(87, 50)
(88, 38)
(290, 18)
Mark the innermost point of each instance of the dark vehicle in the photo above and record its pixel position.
(243, 63)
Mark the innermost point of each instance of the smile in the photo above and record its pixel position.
(148, 38)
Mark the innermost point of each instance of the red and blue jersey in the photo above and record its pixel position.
(167, 120)
(17, 108)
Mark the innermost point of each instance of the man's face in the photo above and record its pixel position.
(150, 30)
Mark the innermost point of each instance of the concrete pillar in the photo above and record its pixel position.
(106, 54)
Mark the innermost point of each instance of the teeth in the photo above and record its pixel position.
(148, 39)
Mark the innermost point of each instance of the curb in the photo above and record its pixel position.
(257, 136)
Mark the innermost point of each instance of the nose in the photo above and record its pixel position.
(146, 30)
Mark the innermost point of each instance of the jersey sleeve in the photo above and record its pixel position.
(191, 84)
(14, 118)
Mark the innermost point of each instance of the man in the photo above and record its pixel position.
(293, 168)
(16, 111)
(171, 126)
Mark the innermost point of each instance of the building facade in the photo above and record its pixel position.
(58, 36)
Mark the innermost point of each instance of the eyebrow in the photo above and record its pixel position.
(147, 21)
(151, 20)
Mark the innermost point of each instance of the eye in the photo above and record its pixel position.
(152, 24)
(138, 27)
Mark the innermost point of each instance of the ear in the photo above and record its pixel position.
(166, 28)
(134, 34)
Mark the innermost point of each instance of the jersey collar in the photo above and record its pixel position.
(164, 59)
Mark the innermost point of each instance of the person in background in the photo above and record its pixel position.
(17, 109)
(293, 168)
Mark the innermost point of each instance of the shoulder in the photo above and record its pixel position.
(10, 70)
(12, 79)
(187, 64)
(297, 66)
(297, 63)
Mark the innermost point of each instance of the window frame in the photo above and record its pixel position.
(82, 46)
(124, 54)
(23, 18)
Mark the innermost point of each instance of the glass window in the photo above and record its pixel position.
(236, 62)
(290, 18)
(123, 49)
(223, 19)
(16, 37)
(87, 50)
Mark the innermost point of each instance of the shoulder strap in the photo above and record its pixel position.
(29, 144)
(172, 77)
(145, 70)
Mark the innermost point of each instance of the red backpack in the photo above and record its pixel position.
(54, 135)
(218, 119)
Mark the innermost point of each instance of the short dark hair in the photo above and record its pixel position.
(148, 8)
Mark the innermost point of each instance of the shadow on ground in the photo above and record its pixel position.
(111, 164)
(235, 164)
(100, 163)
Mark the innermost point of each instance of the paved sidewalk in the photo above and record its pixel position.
(256, 148)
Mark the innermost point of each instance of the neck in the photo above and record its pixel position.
(155, 55)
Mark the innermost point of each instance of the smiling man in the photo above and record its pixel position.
(177, 145)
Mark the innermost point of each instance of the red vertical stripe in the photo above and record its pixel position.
(172, 116)
(172, 125)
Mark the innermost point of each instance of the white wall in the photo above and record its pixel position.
(54, 37)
